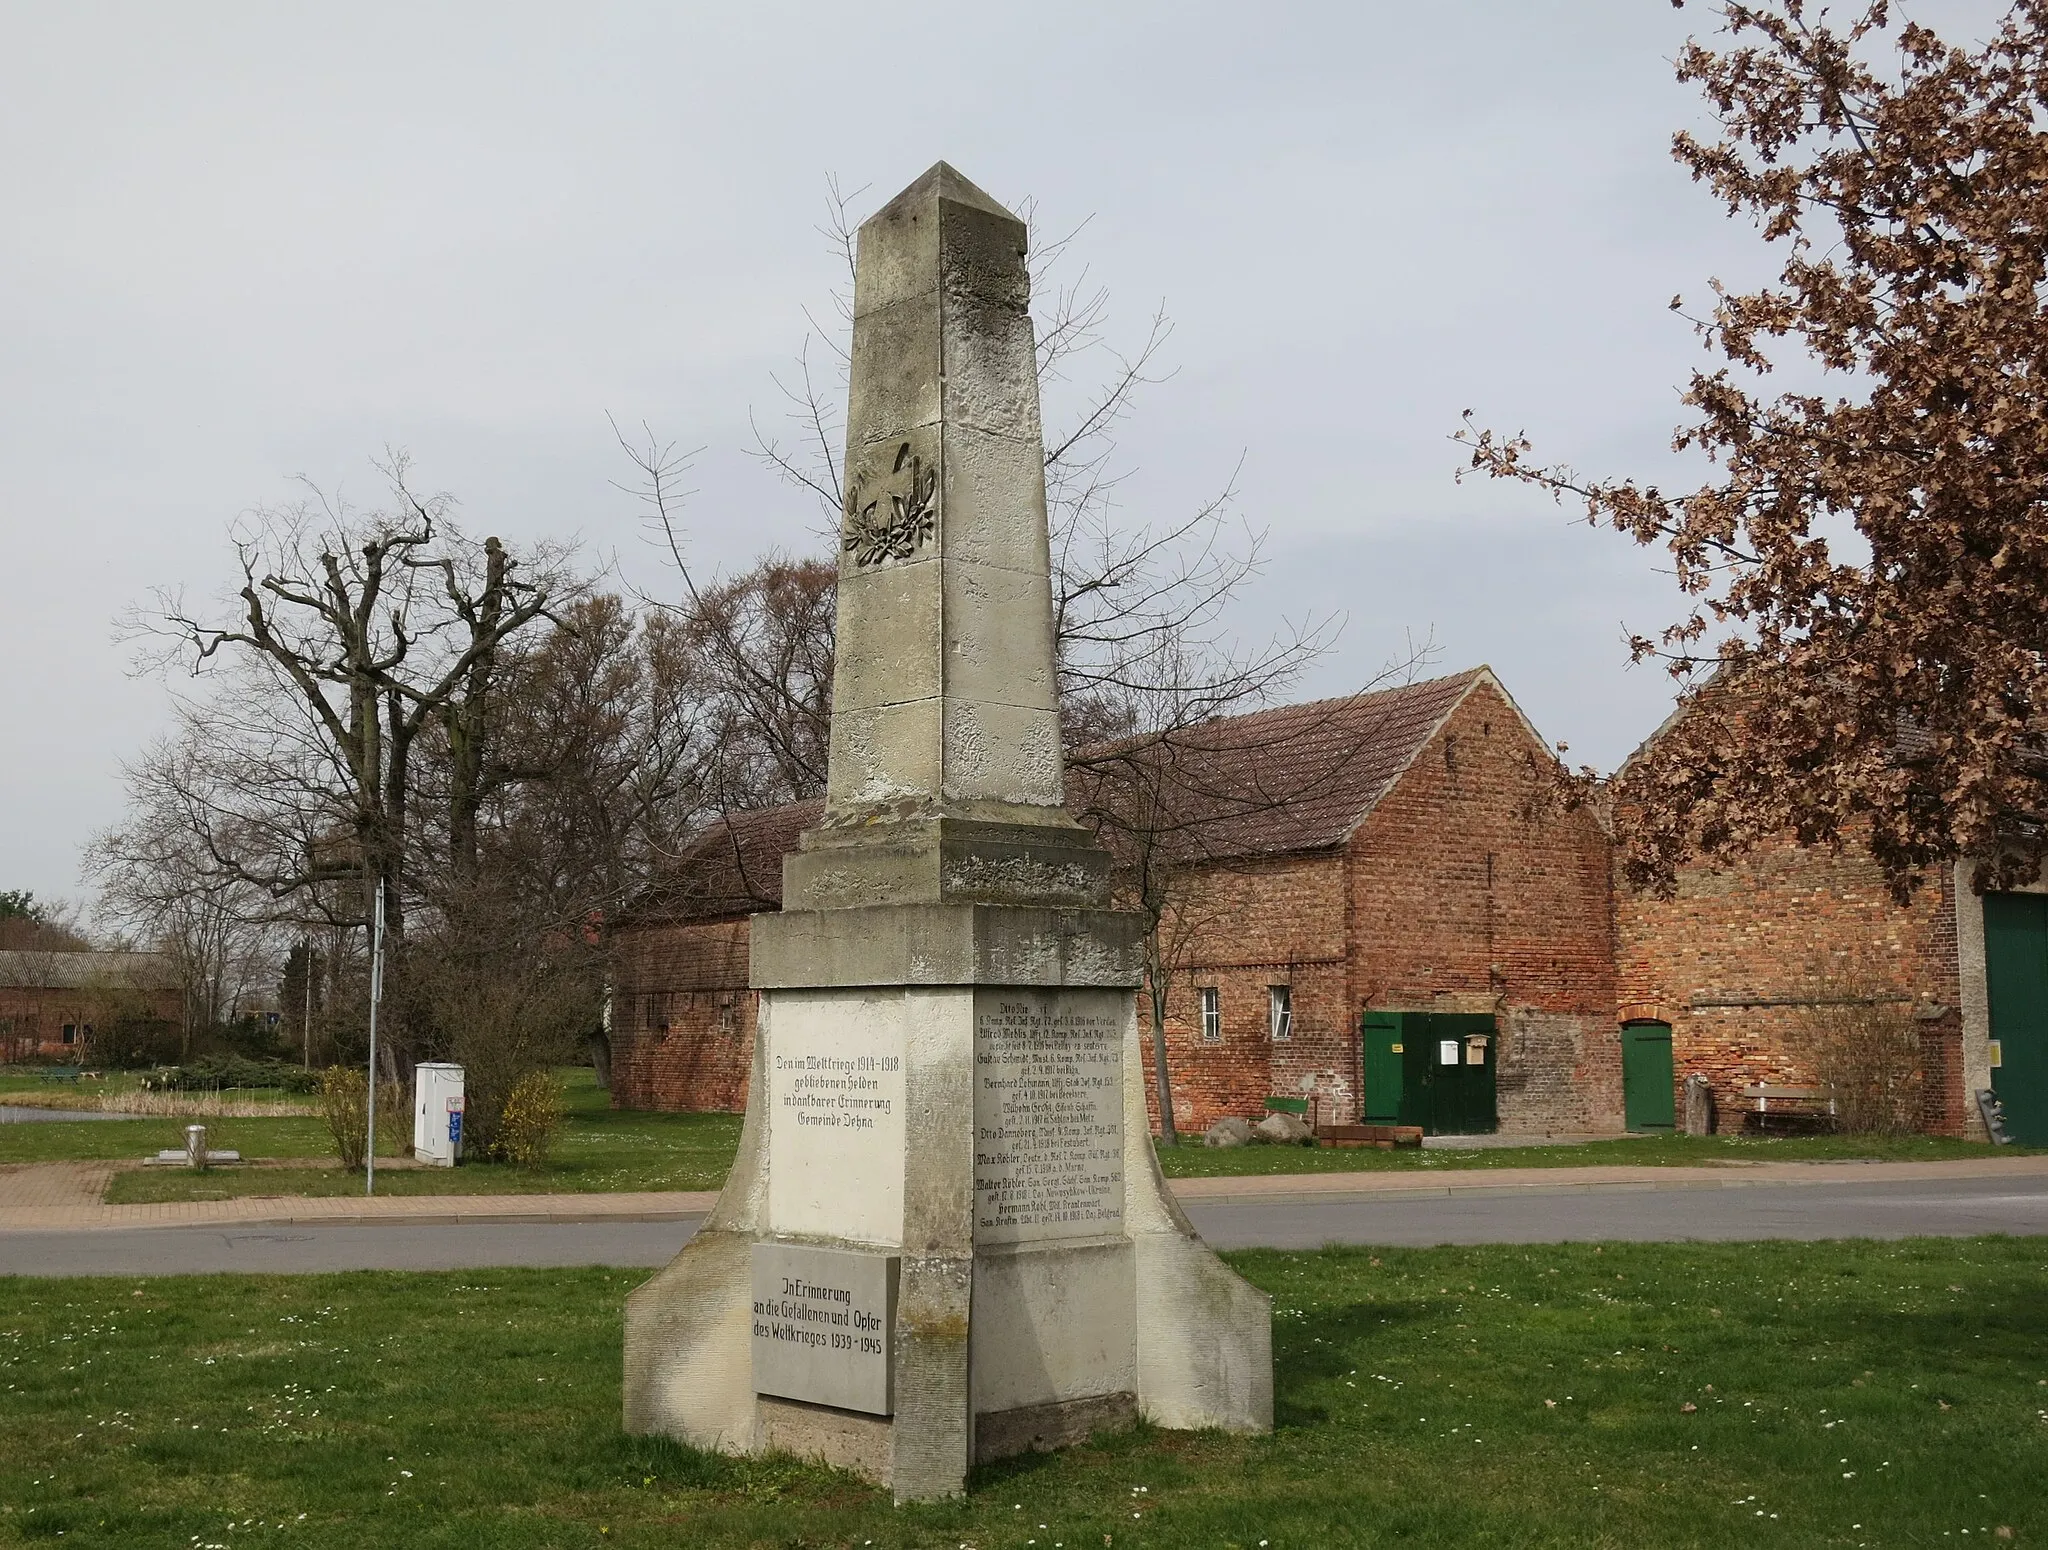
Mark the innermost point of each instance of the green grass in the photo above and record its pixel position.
(1193, 1160)
(1847, 1394)
(602, 1149)
(128, 1140)
(597, 1150)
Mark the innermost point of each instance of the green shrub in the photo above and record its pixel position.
(130, 1041)
(532, 1115)
(217, 1073)
(344, 1105)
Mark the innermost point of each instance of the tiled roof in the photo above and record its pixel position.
(1296, 778)
(31, 969)
(732, 866)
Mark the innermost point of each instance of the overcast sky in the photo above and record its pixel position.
(246, 242)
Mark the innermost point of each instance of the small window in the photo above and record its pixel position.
(1212, 1015)
(1281, 1008)
(71, 1033)
(727, 1020)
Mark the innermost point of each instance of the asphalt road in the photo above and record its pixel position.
(1898, 1209)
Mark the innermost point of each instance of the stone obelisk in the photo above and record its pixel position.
(945, 1238)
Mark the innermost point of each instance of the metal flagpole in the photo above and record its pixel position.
(376, 993)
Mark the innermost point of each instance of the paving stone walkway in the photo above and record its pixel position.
(58, 1187)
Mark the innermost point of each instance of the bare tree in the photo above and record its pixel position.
(159, 883)
(351, 634)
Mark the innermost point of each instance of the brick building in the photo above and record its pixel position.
(1431, 881)
(1751, 966)
(1412, 867)
(681, 1016)
(51, 1002)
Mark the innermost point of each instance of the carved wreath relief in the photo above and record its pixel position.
(875, 533)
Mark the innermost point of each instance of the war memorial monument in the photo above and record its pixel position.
(945, 1238)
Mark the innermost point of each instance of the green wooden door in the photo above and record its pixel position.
(1456, 1068)
(2016, 966)
(1384, 1087)
(1647, 1098)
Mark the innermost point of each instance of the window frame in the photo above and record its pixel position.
(1280, 1013)
(1209, 999)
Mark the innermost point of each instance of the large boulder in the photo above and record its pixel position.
(1228, 1132)
(1283, 1130)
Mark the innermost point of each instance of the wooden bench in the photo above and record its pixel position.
(1789, 1110)
(61, 1073)
(1385, 1137)
(1303, 1109)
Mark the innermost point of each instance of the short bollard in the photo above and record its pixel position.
(195, 1146)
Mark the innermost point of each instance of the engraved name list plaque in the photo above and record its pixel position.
(1048, 1114)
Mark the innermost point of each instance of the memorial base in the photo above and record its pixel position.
(978, 1147)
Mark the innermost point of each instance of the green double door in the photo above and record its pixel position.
(2016, 968)
(1433, 1069)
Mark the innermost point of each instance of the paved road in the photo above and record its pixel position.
(1888, 1209)
(1879, 1209)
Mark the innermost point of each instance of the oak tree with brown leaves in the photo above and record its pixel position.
(1865, 652)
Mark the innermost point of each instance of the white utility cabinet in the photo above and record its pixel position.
(437, 1113)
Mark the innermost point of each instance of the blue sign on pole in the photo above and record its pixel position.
(455, 1127)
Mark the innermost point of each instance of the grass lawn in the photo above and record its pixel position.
(601, 1149)
(1198, 1161)
(1846, 1394)
(129, 1140)
(598, 1149)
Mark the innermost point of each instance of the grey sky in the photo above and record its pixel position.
(247, 241)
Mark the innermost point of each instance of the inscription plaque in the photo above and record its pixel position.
(824, 1322)
(1048, 1114)
(836, 1122)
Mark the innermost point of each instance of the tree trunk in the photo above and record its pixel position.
(1168, 1136)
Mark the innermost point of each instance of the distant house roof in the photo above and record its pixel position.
(1274, 782)
(36, 970)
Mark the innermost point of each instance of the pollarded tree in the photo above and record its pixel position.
(349, 636)
(1872, 550)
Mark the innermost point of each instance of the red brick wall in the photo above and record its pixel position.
(682, 1023)
(1786, 925)
(1474, 890)
(32, 1018)
(1466, 889)
(1244, 929)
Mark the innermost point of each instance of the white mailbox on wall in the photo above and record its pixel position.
(437, 1113)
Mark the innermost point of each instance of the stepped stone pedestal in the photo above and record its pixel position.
(945, 1239)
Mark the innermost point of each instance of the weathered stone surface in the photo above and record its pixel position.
(1231, 1130)
(946, 1082)
(945, 614)
(1283, 1130)
(1002, 1434)
(1699, 1105)
(949, 944)
(926, 859)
